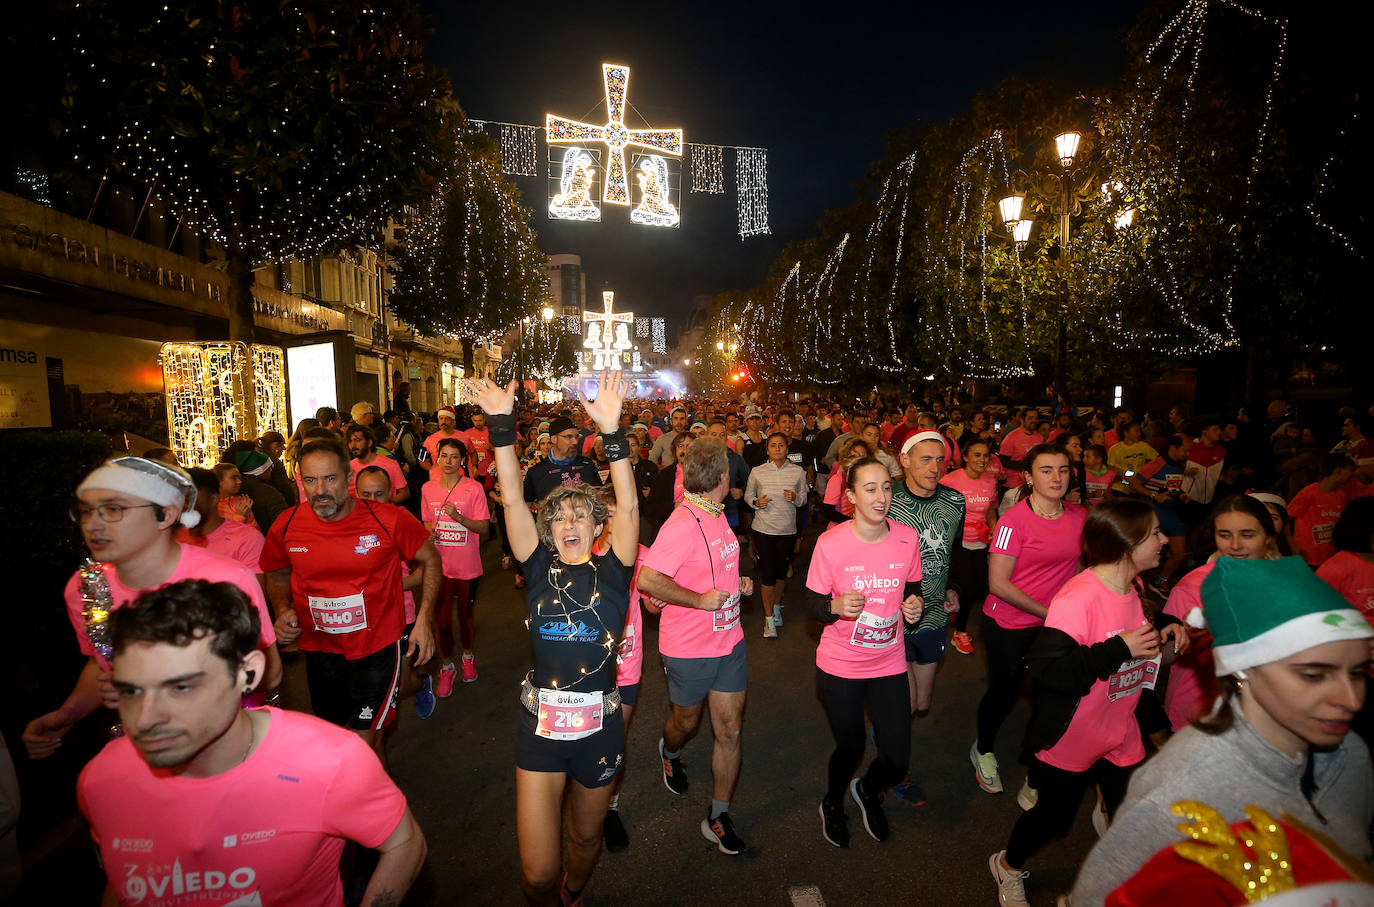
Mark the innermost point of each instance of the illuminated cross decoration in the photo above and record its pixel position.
(614, 135)
(601, 339)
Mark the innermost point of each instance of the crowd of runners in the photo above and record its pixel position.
(1192, 599)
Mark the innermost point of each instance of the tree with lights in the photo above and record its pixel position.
(469, 266)
(277, 130)
(546, 352)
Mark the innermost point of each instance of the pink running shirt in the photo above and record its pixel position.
(386, 464)
(459, 549)
(1046, 553)
(681, 553)
(194, 563)
(870, 646)
(268, 831)
(979, 495)
(1101, 727)
(236, 541)
(481, 455)
(1193, 683)
(1314, 514)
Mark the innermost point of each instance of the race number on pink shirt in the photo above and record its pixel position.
(1046, 553)
(193, 563)
(268, 831)
(870, 646)
(459, 549)
(698, 552)
(480, 451)
(1103, 725)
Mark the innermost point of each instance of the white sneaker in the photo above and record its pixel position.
(1099, 818)
(985, 770)
(1027, 797)
(769, 630)
(1011, 884)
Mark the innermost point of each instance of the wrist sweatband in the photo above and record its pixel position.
(615, 445)
(501, 430)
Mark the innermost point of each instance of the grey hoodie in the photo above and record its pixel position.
(1228, 772)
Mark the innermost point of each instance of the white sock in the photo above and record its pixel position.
(615, 802)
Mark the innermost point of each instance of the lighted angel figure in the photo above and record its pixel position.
(622, 336)
(593, 340)
(574, 200)
(654, 209)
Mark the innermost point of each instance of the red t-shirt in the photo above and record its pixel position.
(194, 563)
(1314, 514)
(699, 552)
(236, 541)
(870, 646)
(1353, 577)
(1046, 553)
(346, 574)
(1103, 725)
(459, 549)
(268, 831)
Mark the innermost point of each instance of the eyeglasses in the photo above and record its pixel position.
(109, 513)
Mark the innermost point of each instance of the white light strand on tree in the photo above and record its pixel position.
(1322, 176)
(519, 150)
(708, 168)
(751, 187)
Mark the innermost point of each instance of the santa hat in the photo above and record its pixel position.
(1263, 611)
(148, 480)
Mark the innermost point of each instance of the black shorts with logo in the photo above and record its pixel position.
(357, 693)
(592, 761)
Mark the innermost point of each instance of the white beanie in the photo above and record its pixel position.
(149, 480)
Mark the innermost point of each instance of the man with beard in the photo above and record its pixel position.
(334, 579)
(362, 445)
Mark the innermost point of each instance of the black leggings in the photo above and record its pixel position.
(889, 702)
(774, 553)
(969, 570)
(1059, 793)
(1006, 651)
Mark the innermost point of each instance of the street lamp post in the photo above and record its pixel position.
(1061, 192)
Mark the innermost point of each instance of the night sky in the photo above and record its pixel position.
(819, 91)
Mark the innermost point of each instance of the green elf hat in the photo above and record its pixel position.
(1263, 611)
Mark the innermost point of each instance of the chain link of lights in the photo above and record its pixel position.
(751, 187)
(1322, 176)
(269, 389)
(708, 168)
(519, 149)
(660, 344)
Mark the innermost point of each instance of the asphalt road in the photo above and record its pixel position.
(457, 770)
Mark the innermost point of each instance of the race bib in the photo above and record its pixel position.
(727, 618)
(1322, 532)
(345, 614)
(874, 632)
(1132, 677)
(568, 716)
(450, 535)
(1174, 482)
(627, 645)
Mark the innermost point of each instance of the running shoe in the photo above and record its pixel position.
(777, 615)
(469, 668)
(1011, 883)
(1027, 796)
(446, 675)
(1099, 817)
(870, 809)
(770, 629)
(565, 898)
(613, 831)
(424, 698)
(963, 643)
(909, 792)
(507, 562)
(674, 777)
(721, 832)
(519, 581)
(834, 828)
(985, 770)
